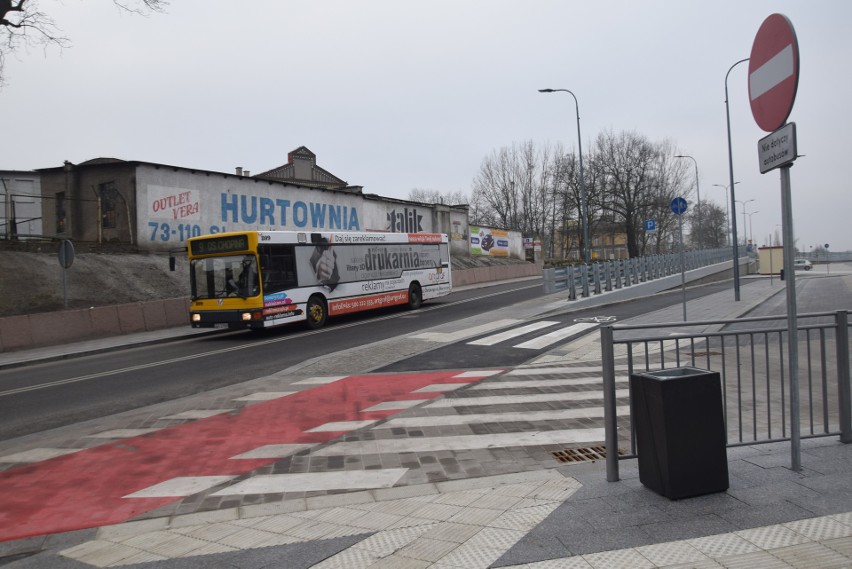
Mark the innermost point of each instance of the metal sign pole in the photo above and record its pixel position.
(682, 267)
(792, 319)
(66, 258)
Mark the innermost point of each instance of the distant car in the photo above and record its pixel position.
(802, 265)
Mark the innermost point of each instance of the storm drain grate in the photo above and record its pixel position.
(583, 454)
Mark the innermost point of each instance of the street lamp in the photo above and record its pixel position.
(584, 220)
(727, 209)
(744, 215)
(751, 227)
(697, 191)
(733, 203)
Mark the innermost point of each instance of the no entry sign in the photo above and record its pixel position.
(773, 72)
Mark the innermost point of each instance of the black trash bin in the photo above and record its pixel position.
(680, 431)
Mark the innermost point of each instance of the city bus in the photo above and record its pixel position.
(261, 279)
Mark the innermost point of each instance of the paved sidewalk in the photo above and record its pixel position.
(541, 517)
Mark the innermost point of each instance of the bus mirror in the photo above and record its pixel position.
(172, 262)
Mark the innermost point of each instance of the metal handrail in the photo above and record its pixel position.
(683, 346)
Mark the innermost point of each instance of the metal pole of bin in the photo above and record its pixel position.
(610, 417)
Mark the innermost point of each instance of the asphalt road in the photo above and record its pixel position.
(50, 395)
(43, 396)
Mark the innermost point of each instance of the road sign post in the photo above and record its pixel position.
(679, 208)
(66, 257)
(773, 79)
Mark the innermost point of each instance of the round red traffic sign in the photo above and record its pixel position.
(773, 72)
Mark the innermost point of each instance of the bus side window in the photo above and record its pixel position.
(278, 267)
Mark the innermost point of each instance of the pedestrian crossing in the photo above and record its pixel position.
(528, 413)
(513, 333)
(557, 336)
(337, 434)
(507, 331)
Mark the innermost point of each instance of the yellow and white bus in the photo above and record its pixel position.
(260, 279)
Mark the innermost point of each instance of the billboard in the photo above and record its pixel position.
(490, 242)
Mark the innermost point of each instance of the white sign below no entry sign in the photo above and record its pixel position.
(778, 149)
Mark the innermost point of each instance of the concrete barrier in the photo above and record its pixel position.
(478, 275)
(62, 327)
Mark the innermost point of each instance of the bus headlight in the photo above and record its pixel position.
(246, 316)
(196, 317)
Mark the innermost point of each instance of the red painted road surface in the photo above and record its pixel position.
(85, 489)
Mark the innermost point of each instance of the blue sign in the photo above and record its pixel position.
(826, 245)
(650, 225)
(678, 206)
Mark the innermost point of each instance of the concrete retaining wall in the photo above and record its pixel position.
(478, 275)
(57, 328)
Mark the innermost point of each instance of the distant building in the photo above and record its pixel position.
(158, 206)
(608, 241)
(20, 204)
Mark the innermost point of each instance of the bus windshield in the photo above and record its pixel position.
(219, 277)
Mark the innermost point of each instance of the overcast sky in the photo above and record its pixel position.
(394, 95)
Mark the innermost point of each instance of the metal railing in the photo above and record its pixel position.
(750, 356)
(606, 276)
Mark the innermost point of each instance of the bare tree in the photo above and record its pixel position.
(639, 177)
(421, 195)
(23, 25)
(714, 226)
(514, 189)
(569, 189)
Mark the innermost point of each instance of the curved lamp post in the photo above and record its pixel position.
(727, 208)
(584, 220)
(733, 203)
(697, 191)
(751, 227)
(745, 227)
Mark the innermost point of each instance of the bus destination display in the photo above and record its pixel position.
(212, 245)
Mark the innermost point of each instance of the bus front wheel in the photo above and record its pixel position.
(415, 296)
(316, 312)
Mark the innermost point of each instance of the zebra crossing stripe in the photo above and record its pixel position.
(513, 333)
(510, 417)
(538, 383)
(520, 399)
(561, 369)
(553, 337)
(464, 333)
(462, 442)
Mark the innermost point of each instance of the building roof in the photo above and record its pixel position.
(301, 168)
